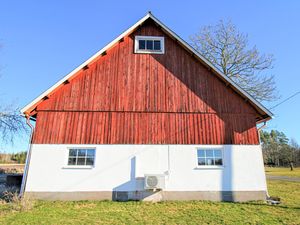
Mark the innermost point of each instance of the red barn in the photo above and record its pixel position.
(147, 117)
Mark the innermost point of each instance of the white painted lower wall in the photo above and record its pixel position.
(118, 167)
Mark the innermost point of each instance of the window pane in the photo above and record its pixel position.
(141, 44)
(201, 161)
(81, 161)
(218, 153)
(81, 152)
(73, 152)
(149, 44)
(209, 153)
(201, 153)
(90, 153)
(219, 161)
(210, 161)
(157, 45)
(72, 161)
(90, 161)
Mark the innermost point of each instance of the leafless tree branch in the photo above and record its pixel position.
(11, 124)
(227, 48)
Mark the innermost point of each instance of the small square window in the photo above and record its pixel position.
(149, 44)
(209, 157)
(81, 157)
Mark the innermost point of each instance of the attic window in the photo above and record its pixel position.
(149, 44)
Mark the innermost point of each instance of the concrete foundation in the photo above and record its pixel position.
(154, 196)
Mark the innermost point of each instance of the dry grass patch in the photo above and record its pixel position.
(283, 171)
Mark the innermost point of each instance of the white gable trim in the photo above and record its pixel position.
(181, 41)
(61, 81)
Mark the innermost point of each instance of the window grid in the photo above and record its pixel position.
(149, 44)
(82, 157)
(208, 159)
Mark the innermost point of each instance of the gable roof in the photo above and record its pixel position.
(265, 113)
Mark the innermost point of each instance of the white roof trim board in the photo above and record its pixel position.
(171, 33)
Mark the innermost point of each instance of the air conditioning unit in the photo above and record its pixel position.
(154, 181)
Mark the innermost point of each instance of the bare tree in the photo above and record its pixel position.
(227, 48)
(11, 123)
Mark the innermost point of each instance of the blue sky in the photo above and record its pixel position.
(44, 40)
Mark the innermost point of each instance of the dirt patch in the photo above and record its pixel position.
(11, 168)
(11, 171)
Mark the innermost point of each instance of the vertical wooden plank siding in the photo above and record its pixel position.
(142, 128)
(127, 98)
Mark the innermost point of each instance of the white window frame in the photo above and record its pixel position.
(67, 166)
(210, 148)
(152, 38)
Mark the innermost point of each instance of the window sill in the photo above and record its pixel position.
(148, 52)
(208, 167)
(78, 167)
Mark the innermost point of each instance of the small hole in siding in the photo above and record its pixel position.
(45, 98)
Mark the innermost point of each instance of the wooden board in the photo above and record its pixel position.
(169, 98)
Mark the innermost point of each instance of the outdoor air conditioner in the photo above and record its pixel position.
(154, 181)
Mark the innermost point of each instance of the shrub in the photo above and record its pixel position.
(17, 203)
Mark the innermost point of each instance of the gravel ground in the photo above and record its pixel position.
(285, 178)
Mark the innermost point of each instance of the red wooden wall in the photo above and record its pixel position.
(127, 98)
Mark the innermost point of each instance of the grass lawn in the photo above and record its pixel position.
(281, 171)
(190, 212)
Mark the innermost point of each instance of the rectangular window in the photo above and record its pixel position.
(149, 44)
(210, 157)
(81, 157)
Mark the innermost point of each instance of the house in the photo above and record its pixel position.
(146, 117)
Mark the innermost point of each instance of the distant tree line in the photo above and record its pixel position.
(278, 150)
(19, 157)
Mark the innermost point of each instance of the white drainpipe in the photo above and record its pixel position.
(25, 174)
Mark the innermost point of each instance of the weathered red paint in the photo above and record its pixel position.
(127, 98)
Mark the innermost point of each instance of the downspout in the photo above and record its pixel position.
(28, 157)
(169, 170)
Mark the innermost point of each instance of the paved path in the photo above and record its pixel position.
(285, 178)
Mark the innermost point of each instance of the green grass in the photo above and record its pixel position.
(190, 212)
(283, 171)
